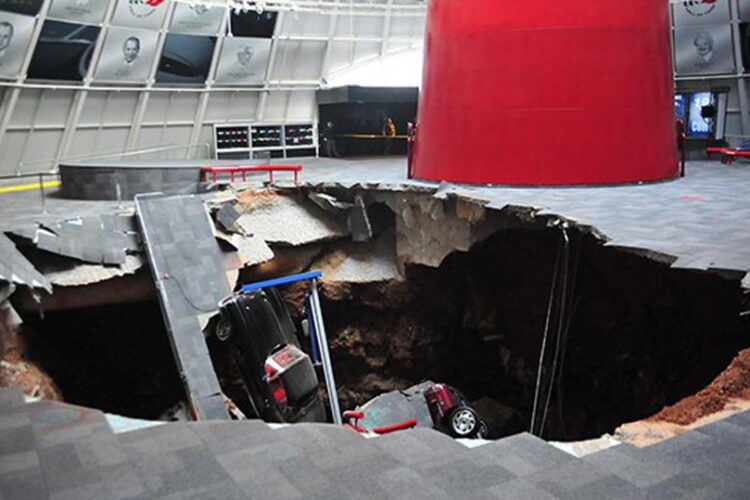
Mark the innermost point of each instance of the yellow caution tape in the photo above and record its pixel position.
(371, 136)
(27, 187)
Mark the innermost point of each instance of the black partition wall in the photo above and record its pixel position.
(358, 115)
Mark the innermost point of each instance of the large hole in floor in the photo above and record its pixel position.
(639, 336)
(114, 358)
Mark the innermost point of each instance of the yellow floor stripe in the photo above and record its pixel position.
(26, 187)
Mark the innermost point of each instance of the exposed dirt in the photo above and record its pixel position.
(642, 335)
(733, 383)
(16, 369)
(250, 199)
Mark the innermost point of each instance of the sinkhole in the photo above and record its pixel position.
(618, 335)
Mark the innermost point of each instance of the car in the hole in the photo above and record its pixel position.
(452, 414)
(279, 378)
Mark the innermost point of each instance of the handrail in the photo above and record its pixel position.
(119, 154)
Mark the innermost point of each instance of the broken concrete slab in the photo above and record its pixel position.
(288, 219)
(188, 269)
(228, 215)
(16, 269)
(429, 229)
(102, 239)
(352, 262)
(398, 406)
(67, 272)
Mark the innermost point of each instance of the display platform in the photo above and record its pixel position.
(123, 179)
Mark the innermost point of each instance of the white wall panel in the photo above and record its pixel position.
(231, 107)
(93, 141)
(298, 60)
(304, 23)
(301, 106)
(360, 26)
(24, 110)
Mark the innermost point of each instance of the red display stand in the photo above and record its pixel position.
(540, 92)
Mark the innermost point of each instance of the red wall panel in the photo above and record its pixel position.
(542, 92)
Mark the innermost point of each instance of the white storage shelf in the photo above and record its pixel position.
(245, 141)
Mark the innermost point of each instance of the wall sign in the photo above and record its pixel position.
(15, 37)
(196, 19)
(140, 14)
(127, 56)
(243, 61)
(704, 50)
(80, 11)
(694, 12)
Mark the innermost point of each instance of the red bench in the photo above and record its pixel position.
(244, 169)
(715, 150)
(728, 156)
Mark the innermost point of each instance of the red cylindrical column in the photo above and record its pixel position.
(547, 92)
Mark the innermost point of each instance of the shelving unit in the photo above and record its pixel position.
(254, 140)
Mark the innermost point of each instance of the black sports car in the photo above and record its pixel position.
(279, 378)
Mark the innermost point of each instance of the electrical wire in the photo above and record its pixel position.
(560, 326)
(542, 351)
(168, 277)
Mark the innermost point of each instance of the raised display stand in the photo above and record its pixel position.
(259, 140)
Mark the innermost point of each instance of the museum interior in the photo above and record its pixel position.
(374, 249)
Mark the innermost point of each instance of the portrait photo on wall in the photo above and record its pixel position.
(185, 59)
(63, 52)
(196, 19)
(27, 7)
(702, 50)
(695, 12)
(16, 32)
(127, 56)
(79, 11)
(252, 24)
(243, 61)
(140, 14)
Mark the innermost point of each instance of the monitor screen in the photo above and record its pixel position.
(28, 7)
(253, 24)
(63, 51)
(680, 106)
(185, 59)
(697, 125)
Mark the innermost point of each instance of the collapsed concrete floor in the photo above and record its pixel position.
(434, 289)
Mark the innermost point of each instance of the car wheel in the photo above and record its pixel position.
(463, 422)
(223, 330)
(483, 432)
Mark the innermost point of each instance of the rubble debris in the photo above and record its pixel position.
(430, 229)
(188, 269)
(102, 239)
(358, 220)
(286, 260)
(228, 215)
(329, 203)
(246, 250)
(16, 269)
(66, 272)
(288, 219)
(360, 263)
